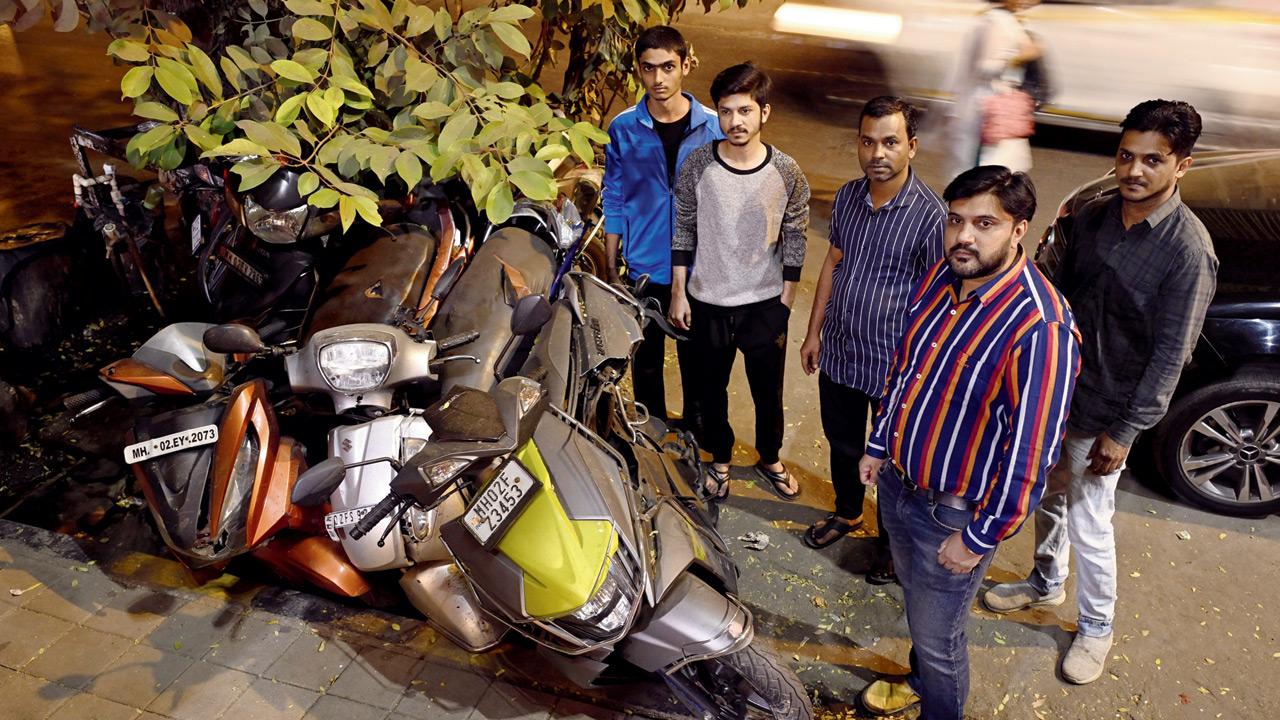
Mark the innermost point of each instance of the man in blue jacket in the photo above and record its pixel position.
(648, 143)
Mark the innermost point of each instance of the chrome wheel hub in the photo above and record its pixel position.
(1231, 452)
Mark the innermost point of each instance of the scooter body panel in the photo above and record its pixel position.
(693, 621)
(364, 486)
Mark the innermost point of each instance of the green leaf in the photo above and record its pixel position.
(368, 209)
(253, 174)
(129, 50)
(136, 81)
(592, 132)
(512, 14)
(174, 85)
(333, 95)
(232, 71)
(309, 7)
(581, 147)
(355, 190)
(420, 20)
(444, 24)
(155, 111)
(350, 84)
(204, 69)
(443, 166)
(432, 110)
(382, 161)
(259, 6)
(511, 36)
(311, 30)
(419, 76)
(154, 138)
(294, 71)
(346, 211)
(552, 151)
(307, 183)
(324, 198)
(460, 128)
(182, 72)
(409, 168)
(239, 146)
(507, 90)
(633, 9)
(242, 59)
(321, 109)
(271, 136)
(376, 15)
(201, 137)
(377, 51)
(289, 109)
(534, 186)
(499, 204)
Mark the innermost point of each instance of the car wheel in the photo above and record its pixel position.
(1220, 446)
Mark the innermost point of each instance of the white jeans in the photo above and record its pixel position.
(1076, 513)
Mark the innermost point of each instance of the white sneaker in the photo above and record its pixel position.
(1086, 659)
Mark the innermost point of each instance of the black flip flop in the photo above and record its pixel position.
(842, 528)
(722, 480)
(777, 481)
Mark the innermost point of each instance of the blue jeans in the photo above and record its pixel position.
(937, 600)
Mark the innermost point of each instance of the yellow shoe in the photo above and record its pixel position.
(884, 697)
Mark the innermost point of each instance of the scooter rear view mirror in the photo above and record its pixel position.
(234, 338)
(316, 484)
(530, 314)
(447, 279)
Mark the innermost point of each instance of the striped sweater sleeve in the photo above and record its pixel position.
(1038, 381)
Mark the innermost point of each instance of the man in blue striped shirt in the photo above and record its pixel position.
(886, 232)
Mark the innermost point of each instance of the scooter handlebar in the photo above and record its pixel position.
(366, 524)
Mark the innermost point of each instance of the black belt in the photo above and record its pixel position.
(934, 496)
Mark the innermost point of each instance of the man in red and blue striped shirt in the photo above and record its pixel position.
(971, 423)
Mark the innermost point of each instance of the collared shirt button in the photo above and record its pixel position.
(918, 376)
(933, 344)
(904, 406)
(953, 312)
(895, 434)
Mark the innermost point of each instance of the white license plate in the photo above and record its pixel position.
(185, 440)
(343, 519)
(493, 510)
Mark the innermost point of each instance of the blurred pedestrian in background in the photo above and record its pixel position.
(1139, 270)
(742, 208)
(886, 232)
(991, 117)
(647, 144)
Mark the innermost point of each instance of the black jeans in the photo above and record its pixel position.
(759, 331)
(845, 412)
(647, 369)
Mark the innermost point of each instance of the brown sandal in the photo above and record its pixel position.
(830, 523)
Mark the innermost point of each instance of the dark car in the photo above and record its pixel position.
(1219, 444)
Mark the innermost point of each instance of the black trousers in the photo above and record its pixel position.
(647, 375)
(845, 412)
(759, 332)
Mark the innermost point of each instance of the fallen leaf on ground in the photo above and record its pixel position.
(1183, 535)
(819, 602)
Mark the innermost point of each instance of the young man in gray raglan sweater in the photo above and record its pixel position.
(742, 208)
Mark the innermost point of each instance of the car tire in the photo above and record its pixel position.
(1220, 445)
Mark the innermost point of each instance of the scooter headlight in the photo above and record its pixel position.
(353, 366)
(275, 226)
(609, 609)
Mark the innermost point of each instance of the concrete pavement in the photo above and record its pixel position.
(136, 639)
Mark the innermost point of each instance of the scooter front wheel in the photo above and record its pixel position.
(751, 682)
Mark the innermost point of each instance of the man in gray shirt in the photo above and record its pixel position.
(1139, 271)
(742, 208)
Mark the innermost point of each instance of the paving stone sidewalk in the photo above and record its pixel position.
(79, 641)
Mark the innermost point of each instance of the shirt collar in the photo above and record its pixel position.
(905, 193)
(992, 288)
(1157, 216)
(696, 116)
